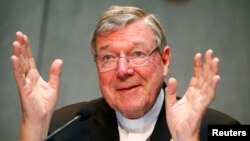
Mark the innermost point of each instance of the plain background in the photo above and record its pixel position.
(63, 28)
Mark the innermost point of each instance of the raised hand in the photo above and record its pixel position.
(184, 116)
(38, 97)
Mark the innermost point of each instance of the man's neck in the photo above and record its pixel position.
(143, 123)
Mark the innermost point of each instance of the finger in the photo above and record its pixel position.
(29, 52)
(18, 59)
(20, 40)
(208, 61)
(215, 65)
(208, 55)
(23, 53)
(20, 80)
(211, 91)
(210, 71)
(27, 46)
(197, 79)
(213, 68)
(197, 65)
(19, 37)
(55, 73)
(171, 92)
(16, 49)
(215, 80)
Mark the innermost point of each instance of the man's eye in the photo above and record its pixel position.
(139, 54)
(107, 57)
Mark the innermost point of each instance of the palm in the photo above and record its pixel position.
(38, 97)
(185, 115)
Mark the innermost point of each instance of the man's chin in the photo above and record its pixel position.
(132, 111)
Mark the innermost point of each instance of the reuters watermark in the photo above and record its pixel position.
(241, 132)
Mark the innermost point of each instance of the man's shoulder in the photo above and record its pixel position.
(76, 107)
(66, 113)
(214, 116)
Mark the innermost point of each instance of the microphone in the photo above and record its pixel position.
(81, 115)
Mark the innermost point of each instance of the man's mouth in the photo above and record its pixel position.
(127, 88)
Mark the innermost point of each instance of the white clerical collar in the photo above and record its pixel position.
(145, 122)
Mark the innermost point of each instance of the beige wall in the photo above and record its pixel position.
(191, 27)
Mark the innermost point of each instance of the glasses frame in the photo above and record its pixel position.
(148, 56)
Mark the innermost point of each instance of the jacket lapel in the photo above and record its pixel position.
(106, 127)
(161, 131)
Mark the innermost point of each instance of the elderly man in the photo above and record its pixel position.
(132, 58)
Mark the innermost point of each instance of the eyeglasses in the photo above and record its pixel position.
(109, 62)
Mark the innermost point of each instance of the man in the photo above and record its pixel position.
(132, 58)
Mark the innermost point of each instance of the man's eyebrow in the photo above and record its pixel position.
(135, 43)
(140, 44)
(104, 47)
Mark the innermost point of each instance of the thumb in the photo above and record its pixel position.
(171, 91)
(55, 73)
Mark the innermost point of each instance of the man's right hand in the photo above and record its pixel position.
(38, 97)
(184, 116)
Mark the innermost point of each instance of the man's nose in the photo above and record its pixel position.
(124, 69)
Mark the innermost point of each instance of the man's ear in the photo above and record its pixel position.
(166, 56)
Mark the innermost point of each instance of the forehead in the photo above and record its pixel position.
(135, 34)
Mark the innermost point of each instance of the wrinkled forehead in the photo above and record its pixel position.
(114, 23)
(137, 34)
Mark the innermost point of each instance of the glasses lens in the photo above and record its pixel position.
(109, 64)
(139, 61)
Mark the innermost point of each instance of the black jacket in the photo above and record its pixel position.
(102, 124)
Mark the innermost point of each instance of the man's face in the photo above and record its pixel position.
(127, 89)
